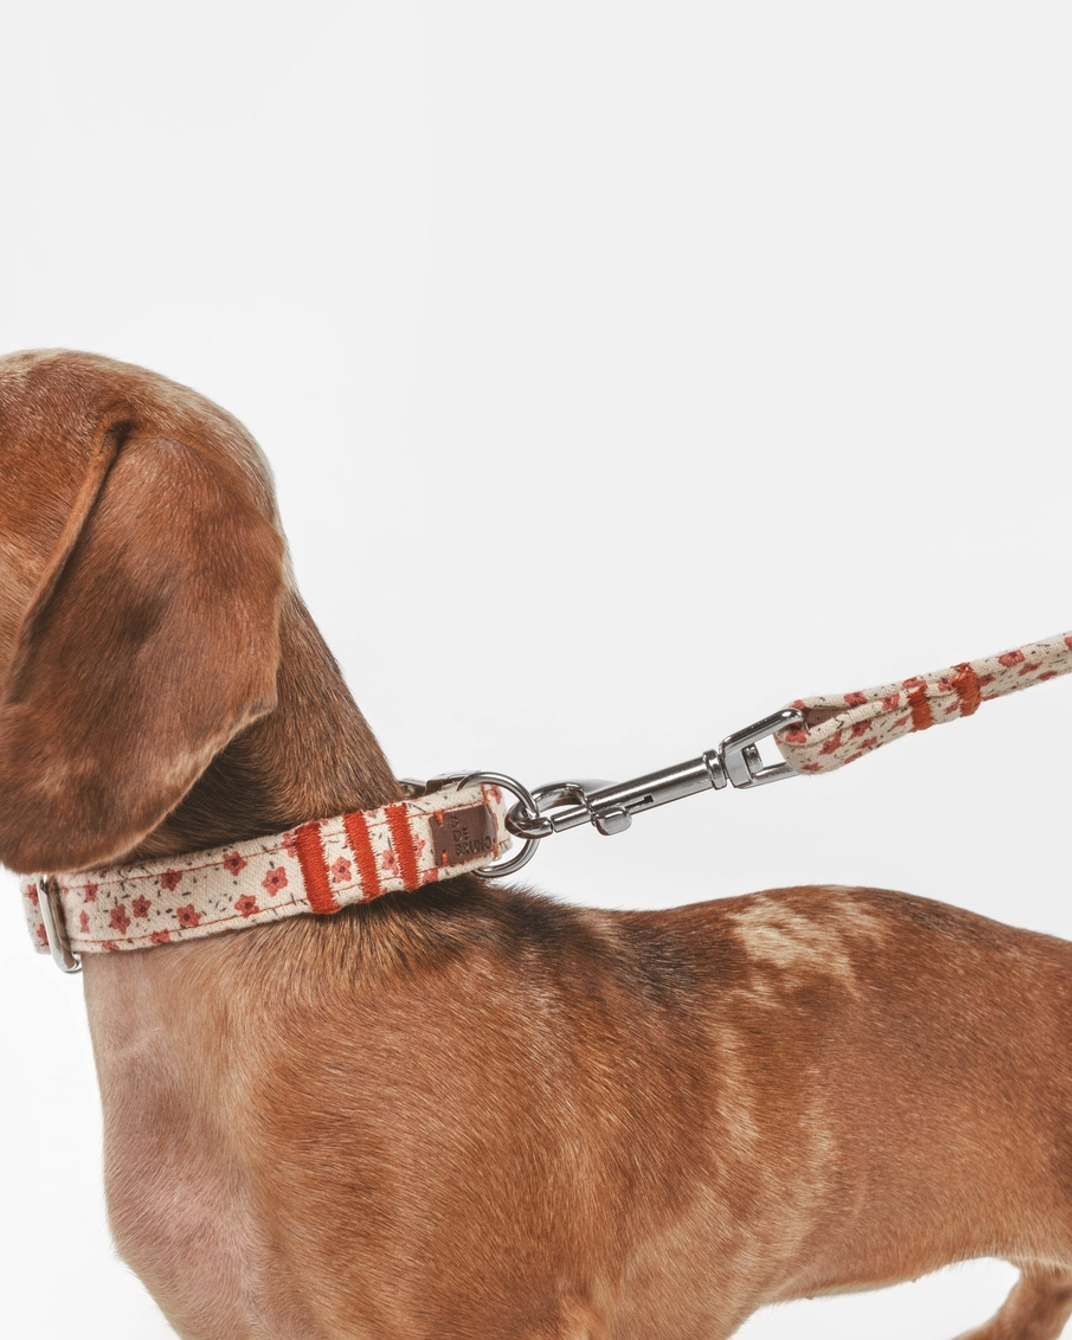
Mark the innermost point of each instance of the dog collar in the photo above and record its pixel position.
(319, 867)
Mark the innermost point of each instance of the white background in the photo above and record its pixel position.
(727, 346)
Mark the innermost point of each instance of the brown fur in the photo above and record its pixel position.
(468, 1113)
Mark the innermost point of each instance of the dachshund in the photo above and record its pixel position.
(466, 1112)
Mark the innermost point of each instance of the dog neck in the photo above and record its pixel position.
(313, 755)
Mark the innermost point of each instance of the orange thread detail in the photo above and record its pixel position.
(315, 869)
(966, 684)
(402, 841)
(357, 834)
(917, 701)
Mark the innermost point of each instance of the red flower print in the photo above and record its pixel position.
(118, 918)
(89, 893)
(341, 870)
(42, 935)
(160, 937)
(855, 699)
(1011, 658)
(110, 946)
(290, 846)
(274, 880)
(389, 859)
(247, 905)
(234, 863)
(31, 893)
(187, 916)
(140, 906)
(170, 879)
(83, 921)
(495, 795)
(430, 876)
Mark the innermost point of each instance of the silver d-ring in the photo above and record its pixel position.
(528, 851)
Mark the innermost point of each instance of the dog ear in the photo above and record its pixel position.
(151, 641)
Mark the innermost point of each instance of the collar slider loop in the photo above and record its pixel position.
(59, 945)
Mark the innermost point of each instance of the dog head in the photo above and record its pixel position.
(141, 576)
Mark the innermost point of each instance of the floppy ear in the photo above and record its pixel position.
(151, 641)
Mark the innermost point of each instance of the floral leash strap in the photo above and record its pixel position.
(842, 728)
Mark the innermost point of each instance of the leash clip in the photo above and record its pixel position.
(609, 806)
(739, 752)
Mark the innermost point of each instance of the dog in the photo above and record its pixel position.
(466, 1112)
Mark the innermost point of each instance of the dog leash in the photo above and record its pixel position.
(452, 825)
(814, 735)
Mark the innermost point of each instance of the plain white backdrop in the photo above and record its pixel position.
(727, 344)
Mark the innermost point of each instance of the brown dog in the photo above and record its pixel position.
(466, 1112)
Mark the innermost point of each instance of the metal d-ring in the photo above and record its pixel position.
(530, 814)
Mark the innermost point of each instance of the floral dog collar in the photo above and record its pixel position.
(317, 867)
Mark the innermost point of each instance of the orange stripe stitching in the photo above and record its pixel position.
(357, 834)
(315, 869)
(917, 701)
(966, 683)
(402, 841)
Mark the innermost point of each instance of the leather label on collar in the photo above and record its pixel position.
(461, 835)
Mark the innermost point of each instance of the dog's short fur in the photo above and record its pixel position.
(467, 1112)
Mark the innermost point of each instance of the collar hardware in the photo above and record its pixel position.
(609, 806)
(59, 944)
